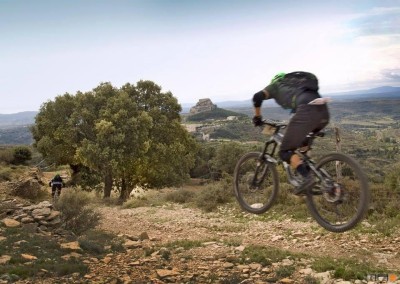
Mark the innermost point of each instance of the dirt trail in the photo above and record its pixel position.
(175, 222)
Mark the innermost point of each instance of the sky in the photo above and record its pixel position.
(225, 50)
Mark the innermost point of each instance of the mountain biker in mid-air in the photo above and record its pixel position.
(297, 91)
(56, 184)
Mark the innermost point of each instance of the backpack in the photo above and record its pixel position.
(292, 84)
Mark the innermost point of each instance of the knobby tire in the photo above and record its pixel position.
(355, 190)
(255, 199)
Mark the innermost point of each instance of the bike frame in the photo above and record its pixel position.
(275, 141)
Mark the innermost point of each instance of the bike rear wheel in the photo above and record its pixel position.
(341, 200)
(256, 183)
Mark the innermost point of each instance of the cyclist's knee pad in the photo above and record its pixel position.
(285, 155)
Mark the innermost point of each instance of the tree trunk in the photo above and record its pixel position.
(125, 192)
(108, 182)
(75, 174)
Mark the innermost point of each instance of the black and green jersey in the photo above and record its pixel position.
(285, 88)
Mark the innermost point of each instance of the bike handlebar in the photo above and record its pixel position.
(282, 125)
(275, 123)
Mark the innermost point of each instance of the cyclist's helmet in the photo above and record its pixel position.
(278, 77)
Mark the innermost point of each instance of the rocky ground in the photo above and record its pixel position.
(176, 244)
(224, 235)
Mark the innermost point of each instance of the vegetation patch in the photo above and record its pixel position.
(214, 195)
(180, 196)
(76, 213)
(346, 269)
(96, 242)
(46, 252)
(265, 255)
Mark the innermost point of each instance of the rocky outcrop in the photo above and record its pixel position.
(28, 186)
(35, 218)
(202, 106)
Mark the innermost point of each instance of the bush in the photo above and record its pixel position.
(5, 174)
(180, 196)
(76, 213)
(21, 155)
(6, 155)
(100, 243)
(215, 194)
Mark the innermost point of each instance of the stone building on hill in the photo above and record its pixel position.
(202, 106)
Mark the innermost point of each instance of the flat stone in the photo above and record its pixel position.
(11, 223)
(132, 244)
(28, 256)
(71, 255)
(4, 259)
(286, 280)
(71, 246)
(162, 273)
(41, 212)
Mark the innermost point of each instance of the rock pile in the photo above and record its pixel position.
(28, 186)
(41, 218)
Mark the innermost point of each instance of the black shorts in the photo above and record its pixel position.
(308, 118)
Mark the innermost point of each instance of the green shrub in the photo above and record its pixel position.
(76, 213)
(99, 242)
(214, 194)
(5, 174)
(263, 255)
(137, 202)
(21, 154)
(180, 196)
(311, 280)
(346, 269)
(285, 271)
(392, 179)
(6, 156)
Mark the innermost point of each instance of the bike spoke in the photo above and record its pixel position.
(255, 183)
(342, 203)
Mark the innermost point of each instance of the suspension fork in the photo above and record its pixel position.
(262, 159)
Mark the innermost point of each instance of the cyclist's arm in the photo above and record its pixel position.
(258, 99)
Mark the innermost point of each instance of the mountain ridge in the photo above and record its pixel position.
(28, 117)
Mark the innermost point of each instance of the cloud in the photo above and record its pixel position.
(378, 21)
(391, 74)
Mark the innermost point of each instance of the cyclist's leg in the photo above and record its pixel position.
(59, 190)
(308, 118)
(53, 190)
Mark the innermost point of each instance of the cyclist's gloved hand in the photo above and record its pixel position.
(257, 120)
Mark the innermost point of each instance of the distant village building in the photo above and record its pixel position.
(206, 137)
(232, 117)
(202, 106)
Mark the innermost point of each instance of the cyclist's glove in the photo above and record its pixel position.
(257, 120)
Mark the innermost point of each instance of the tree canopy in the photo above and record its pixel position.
(130, 135)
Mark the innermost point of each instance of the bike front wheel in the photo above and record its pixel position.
(341, 198)
(256, 183)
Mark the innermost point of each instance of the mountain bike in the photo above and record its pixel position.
(56, 196)
(339, 199)
(57, 192)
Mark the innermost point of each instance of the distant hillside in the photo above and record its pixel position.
(17, 119)
(18, 135)
(386, 92)
(214, 114)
